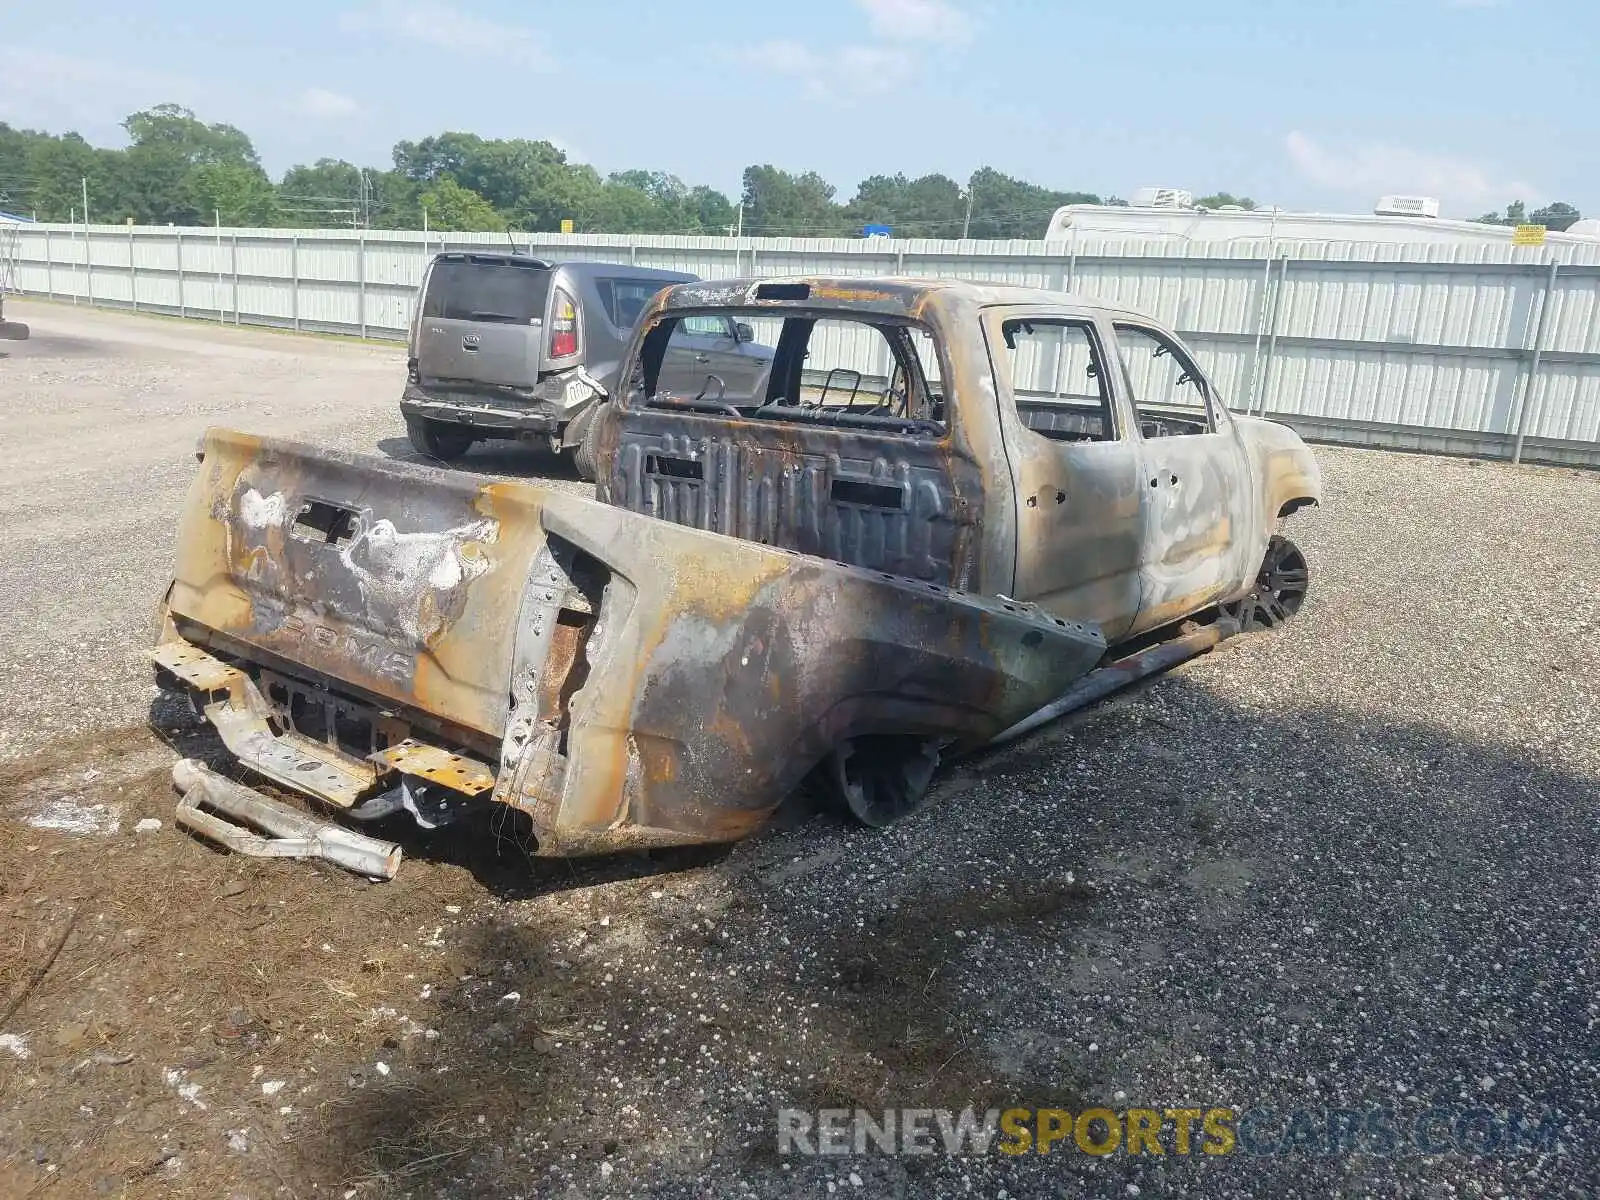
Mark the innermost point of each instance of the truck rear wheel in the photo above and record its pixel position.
(881, 778)
(585, 455)
(433, 439)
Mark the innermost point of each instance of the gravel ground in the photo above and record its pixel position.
(1347, 865)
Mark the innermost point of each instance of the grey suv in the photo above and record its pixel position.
(504, 346)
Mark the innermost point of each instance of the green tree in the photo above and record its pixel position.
(178, 168)
(713, 210)
(328, 192)
(780, 204)
(932, 206)
(1225, 200)
(530, 183)
(453, 207)
(160, 178)
(42, 173)
(1005, 207)
(1559, 216)
(1515, 214)
(233, 194)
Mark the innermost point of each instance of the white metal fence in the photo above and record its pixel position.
(1436, 347)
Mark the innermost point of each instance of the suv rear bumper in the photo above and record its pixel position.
(479, 412)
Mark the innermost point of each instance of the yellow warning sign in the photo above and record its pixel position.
(1528, 235)
(566, 227)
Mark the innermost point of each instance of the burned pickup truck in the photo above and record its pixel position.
(949, 504)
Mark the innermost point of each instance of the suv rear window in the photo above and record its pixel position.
(624, 299)
(487, 290)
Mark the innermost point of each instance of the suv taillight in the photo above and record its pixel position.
(564, 327)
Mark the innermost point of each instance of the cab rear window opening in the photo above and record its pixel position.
(827, 369)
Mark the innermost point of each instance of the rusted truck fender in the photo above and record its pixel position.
(629, 682)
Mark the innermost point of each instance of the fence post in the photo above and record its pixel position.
(1533, 364)
(178, 249)
(294, 282)
(234, 260)
(633, 254)
(1261, 325)
(1072, 262)
(1272, 330)
(222, 309)
(88, 266)
(133, 273)
(361, 279)
(49, 272)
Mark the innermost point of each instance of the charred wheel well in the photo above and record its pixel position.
(1290, 507)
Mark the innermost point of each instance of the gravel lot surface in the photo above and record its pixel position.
(1347, 865)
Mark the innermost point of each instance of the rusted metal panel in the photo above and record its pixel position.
(195, 667)
(644, 683)
(719, 672)
(889, 507)
(405, 585)
(433, 763)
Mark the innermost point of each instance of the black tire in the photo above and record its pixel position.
(586, 454)
(433, 439)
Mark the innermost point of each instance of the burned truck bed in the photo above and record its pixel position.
(380, 635)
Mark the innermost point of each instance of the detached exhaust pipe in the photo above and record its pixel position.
(295, 834)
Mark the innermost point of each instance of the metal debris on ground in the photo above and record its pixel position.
(225, 812)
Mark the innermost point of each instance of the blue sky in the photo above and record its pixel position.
(1308, 105)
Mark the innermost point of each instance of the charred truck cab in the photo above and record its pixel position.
(992, 439)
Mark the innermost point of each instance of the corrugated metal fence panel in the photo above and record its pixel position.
(1431, 336)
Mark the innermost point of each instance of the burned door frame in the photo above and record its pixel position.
(1195, 485)
(1079, 504)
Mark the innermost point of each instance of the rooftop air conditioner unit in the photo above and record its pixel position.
(1158, 197)
(1407, 206)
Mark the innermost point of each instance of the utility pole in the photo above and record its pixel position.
(739, 229)
(966, 221)
(84, 179)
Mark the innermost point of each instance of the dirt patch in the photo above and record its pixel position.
(183, 981)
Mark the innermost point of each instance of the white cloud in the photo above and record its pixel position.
(1377, 168)
(840, 72)
(871, 67)
(321, 104)
(42, 89)
(449, 28)
(918, 21)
